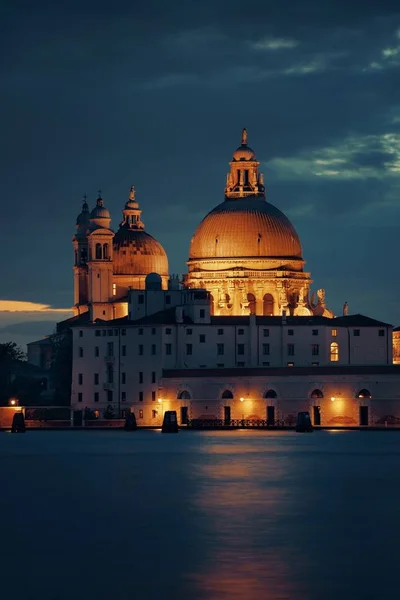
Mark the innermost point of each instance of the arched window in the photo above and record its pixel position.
(364, 394)
(251, 299)
(270, 394)
(105, 251)
(98, 252)
(184, 395)
(226, 395)
(317, 394)
(268, 305)
(334, 352)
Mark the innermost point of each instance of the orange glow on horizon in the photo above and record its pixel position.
(21, 306)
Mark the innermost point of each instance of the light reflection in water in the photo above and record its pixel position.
(243, 500)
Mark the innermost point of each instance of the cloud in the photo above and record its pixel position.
(28, 307)
(274, 44)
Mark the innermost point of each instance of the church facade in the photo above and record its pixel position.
(241, 335)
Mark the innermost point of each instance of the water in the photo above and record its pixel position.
(201, 515)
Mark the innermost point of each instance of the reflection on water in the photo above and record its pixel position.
(205, 515)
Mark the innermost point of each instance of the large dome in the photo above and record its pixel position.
(247, 227)
(138, 253)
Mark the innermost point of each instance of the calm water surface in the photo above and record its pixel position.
(213, 515)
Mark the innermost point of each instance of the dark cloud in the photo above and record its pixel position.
(154, 93)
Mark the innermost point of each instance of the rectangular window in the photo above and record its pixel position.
(334, 352)
(116, 332)
(202, 338)
(123, 331)
(96, 379)
(220, 332)
(141, 299)
(153, 331)
(80, 397)
(315, 349)
(189, 331)
(240, 331)
(315, 331)
(140, 396)
(140, 349)
(168, 331)
(202, 313)
(290, 364)
(154, 414)
(96, 351)
(153, 349)
(114, 289)
(140, 376)
(110, 332)
(381, 333)
(110, 374)
(80, 352)
(153, 396)
(109, 396)
(265, 349)
(266, 332)
(168, 349)
(97, 333)
(189, 349)
(240, 349)
(140, 414)
(220, 349)
(104, 332)
(123, 378)
(140, 332)
(153, 377)
(356, 332)
(123, 396)
(110, 348)
(80, 333)
(80, 378)
(167, 299)
(334, 332)
(290, 332)
(290, 349)
(96, 396)
(123, 350)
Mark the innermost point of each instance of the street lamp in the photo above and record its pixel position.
(13, 402)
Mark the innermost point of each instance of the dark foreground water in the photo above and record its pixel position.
(224, 515)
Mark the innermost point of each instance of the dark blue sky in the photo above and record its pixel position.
(105, 95)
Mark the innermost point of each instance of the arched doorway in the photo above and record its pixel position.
(184, 395)
(227, 395)
(268, 305)
(270, 395)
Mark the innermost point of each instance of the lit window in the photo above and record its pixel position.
(114, 289)
(290, 364)
(334, 332)
(334, 354)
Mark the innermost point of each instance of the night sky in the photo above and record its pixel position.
(101, 95)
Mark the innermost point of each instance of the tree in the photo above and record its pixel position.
(10, 351)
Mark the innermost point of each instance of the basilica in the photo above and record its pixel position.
(239, 336)
(245, 253)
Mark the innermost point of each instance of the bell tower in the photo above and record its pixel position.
(80, 244)
(100, 263)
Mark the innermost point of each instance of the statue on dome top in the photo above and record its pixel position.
(244, 137)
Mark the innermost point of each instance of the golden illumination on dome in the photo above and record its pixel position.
(135, 251)
(249, 227)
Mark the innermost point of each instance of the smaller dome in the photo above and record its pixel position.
(83, 217)
(138, 253)
(153, 282)
(100, 212)
(244, 152)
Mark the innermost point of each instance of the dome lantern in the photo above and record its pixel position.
(244, 179)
